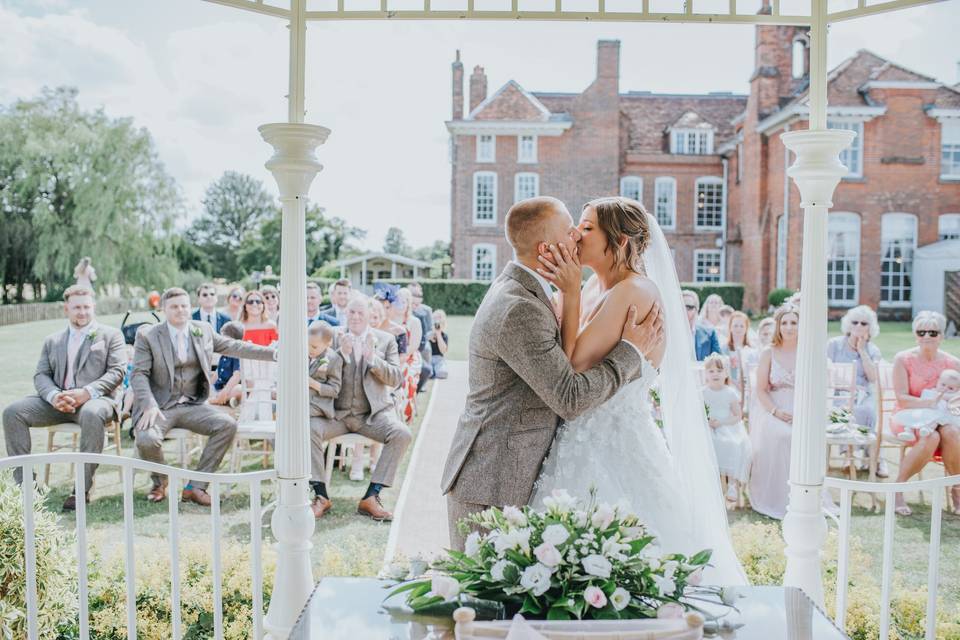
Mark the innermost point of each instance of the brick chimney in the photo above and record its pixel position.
(478, 87)
(608, 59)
(457, 88)
(772, 77)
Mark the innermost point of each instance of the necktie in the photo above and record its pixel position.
(76, 339)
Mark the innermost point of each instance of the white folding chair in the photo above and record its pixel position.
(257, 418)
(348, 444)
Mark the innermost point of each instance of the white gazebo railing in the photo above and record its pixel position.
(176, 475)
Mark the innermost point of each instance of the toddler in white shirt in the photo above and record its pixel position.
(944, 408)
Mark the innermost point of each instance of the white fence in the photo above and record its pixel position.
(847, 487)
(176, 475)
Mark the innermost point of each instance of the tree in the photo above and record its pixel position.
(235, 208)
(396, 243)
(76, 183)
(439, 250)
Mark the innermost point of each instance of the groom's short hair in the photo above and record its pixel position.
(526, 222)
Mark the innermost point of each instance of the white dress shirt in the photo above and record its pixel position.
(358, 344)
(78, 335)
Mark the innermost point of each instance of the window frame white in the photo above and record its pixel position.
(516, 185)
(782, 244)
(708, 278)
(482, 146)
(492, 220)
(798, 63)
(671, 183)
(492, 252)
(905, 290)
(711, 180)
(680, 142)
(835, 226)
(950, 144)
(951, 230)
(530, 158)
(627, 179)
(856, 147)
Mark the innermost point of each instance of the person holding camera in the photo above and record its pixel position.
(437, 339)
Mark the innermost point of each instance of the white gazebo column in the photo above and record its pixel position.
(816, 171)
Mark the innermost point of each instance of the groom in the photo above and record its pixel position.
(521, 382)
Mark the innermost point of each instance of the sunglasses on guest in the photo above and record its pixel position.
(270, 296)
(921, 333)
(691, 307)
(862, 323)
(255, 301)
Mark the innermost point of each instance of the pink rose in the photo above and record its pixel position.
(670, 610)
(595, 597)
(696, 577)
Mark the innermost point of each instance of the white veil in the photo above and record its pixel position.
(685, 421)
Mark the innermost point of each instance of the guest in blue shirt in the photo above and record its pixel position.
(705, 340)
(314, 298)
(207, 311)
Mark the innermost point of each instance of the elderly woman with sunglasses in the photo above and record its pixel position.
(859, 326)
(915, 370)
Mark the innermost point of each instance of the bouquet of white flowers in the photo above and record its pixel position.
(568, 561)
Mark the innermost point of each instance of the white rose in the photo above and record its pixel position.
(472, 546)
(580, 518)
(556, 534)
(597, 565)
(562, 500)
(666, 586)
(445, 587)
(536, 579)
(515, 516)
(595, 597)
(669, 568)
(548, 555)
(498, 569)
(620, 598)
(602, 517)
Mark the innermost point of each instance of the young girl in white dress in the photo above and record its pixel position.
(730, 440)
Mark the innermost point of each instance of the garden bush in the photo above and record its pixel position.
(777, 297)
(731, 292)
(456, 297)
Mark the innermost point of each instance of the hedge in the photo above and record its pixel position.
(731, 292)
(456, 297)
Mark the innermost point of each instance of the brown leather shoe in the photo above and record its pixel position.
(70, 504)
(197, 496)
(158, 493)
(372, 507)
(320, 506)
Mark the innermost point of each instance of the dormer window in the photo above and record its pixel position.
(693, 142)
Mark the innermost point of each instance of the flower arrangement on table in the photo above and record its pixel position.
(568, 561)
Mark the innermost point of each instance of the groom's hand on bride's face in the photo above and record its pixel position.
(647, 335)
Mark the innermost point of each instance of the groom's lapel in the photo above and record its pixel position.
(529, 283)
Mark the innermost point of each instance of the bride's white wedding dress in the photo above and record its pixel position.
(668, 477)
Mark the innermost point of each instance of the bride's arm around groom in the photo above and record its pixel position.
(521, 381)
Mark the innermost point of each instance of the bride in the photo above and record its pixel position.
(669, 478)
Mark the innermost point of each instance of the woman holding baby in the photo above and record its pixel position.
(917, 370)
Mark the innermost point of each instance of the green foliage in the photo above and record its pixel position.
(777, 297)
(56, 577)
(731, 292)
(75, 183)
(439, 250)
(456, 297)
(396, 243)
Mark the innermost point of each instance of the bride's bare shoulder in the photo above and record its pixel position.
(636, 290)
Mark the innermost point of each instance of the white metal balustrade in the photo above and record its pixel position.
(889, 489)
(176, 475)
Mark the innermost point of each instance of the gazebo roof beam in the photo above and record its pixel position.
(560, 16)
(256, 6)
(884, 7)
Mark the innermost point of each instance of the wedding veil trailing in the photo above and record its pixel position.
(685, 421)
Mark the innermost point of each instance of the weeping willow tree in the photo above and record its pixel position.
(77, 183)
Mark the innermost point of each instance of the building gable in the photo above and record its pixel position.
(511, 102)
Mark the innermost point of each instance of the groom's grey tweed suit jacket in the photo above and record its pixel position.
(521, 383)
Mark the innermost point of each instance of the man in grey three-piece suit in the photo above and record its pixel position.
(77, 377)
(521, 382)
(170, 383)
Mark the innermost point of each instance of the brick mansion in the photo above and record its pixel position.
(711, 168)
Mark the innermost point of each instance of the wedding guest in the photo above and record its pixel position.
(710, 312)
(371, 371)
(258, 328)
(765, 332)
(386, 296)
(340, 292)
(723, 330)
(915, 370)
(325, 367)
(439, 343)
(771, 421)
(314, 298)
(730, 440)
(859, 327)
(271, 298)
(227, 384)
(235, 302)
(739, 348)
(171, 387)
(705, 339)
(207, 308)
(410, 361)
(425, 315)
(77, 380)
(85, 274)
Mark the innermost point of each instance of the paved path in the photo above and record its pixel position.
(420, 517)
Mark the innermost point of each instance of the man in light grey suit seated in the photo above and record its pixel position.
(365, 405)
(521, 382)
(78, 374)
(170, 387)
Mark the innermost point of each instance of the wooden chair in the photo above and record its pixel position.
(347, 443)
(257, 419)
(841, 392)
(112, 435)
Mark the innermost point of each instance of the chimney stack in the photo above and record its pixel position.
(478, 87)
(457, 88)
(608, 59)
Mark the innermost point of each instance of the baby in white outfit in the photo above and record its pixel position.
(945, 408)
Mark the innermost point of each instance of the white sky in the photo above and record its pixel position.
(202, 77)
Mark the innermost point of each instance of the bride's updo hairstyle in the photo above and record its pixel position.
(618, 218)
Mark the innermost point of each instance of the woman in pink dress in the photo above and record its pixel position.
(914, 370)
(771, 419)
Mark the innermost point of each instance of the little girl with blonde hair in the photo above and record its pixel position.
(730, 440)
